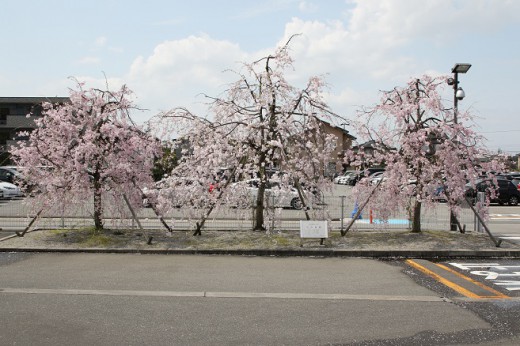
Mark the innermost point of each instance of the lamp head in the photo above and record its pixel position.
(460, 68)
(460, 94)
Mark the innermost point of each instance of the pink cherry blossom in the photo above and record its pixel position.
(424, 151)
(87, 150)
(260, 123)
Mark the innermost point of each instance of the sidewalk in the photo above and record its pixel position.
(372, 244)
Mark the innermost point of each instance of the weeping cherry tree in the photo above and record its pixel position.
(87, 149)
(426, 154)
(262, 124)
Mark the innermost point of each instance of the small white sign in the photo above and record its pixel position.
(314, 229)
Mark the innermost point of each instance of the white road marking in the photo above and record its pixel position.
(495, 273)
(504, 216)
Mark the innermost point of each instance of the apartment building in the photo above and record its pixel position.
(13, 119)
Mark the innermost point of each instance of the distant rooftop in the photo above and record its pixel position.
(33, 100)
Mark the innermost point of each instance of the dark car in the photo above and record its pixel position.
(516, 182)
(510, 175)
(507, 192)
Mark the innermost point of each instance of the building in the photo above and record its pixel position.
(344, 140)
(13, 119)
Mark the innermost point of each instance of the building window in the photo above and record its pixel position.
(4, 112)
(36, 110)
(4, 137)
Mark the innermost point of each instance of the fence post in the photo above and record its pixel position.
(273, 213)
(342, 211)
(481, 199)
(253, 210)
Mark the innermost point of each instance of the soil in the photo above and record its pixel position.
(231, 240)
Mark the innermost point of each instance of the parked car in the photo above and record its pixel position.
(9, 174)
(343, 178)
(376, 177)
(507, 192)
(10, 190)
(516, 182)
(510, 175)
(176, 192)
(284, 197)
(354, 178)
(15, 175)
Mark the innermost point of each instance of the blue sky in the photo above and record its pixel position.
(169, 52)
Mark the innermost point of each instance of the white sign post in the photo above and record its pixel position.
(314, 229)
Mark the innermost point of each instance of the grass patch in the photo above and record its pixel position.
(443, 234)
(84, 237)
(97, 240)
(281, 240)
(59, 231)
(89, 237)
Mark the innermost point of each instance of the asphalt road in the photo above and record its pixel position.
(102, 299)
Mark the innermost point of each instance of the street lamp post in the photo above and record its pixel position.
(458, 94)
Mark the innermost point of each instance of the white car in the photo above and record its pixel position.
(283, 197)
(376, 177)
(10, 190)
(343, 179)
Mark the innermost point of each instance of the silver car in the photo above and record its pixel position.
(10, 190)
(343, 179)
(283, 197)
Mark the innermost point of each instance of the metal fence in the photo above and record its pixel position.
(338, 210)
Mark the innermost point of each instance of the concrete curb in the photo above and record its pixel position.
(381, 254)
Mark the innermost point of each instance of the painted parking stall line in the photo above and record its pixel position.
(494, 293)
(505, 276)
(458, 282)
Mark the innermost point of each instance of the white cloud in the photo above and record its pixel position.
(399, 21)
(178, 70)
(375, 45)
(369, 51)
(346, 98)
(185, 61)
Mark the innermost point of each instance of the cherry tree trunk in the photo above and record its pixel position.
(416, 217)
(259, 209)
(98, 207)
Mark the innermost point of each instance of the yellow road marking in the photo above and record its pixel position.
(496, 293)
(457, 288)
